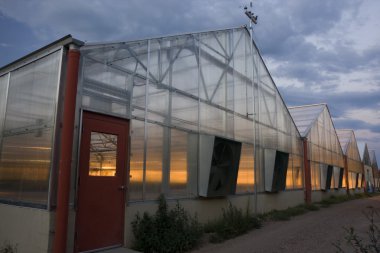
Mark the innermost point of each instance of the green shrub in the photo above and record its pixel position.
(232, 223)
(7, 247)
(167, 231)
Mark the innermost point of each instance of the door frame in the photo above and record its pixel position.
(125, 173)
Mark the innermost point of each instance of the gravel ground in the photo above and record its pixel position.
(314, 231)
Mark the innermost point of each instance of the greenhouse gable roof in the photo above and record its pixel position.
(304, 116)
(344, 136)
(372, 156)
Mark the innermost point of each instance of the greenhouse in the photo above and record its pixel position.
(375, 169)
(323, 151)
(368, 172)
(352, 158)
(96, 132)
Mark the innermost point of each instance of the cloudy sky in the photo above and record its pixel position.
(317, 51)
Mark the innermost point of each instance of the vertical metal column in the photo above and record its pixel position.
(145, 119)
(67, 124)
(2, 124)
(306, 164)
(254, 116)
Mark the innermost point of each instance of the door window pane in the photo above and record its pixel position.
(103, 152)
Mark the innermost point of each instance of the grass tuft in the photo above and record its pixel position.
(234, 222)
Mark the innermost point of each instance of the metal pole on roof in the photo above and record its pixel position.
(253, 19)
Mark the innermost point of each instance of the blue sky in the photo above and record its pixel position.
(325, 51)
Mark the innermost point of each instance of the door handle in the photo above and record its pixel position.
(122, 188)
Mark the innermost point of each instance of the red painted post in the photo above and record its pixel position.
(67, 133)
(306, 163)
(346, 174)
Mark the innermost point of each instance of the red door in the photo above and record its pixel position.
(101, 183)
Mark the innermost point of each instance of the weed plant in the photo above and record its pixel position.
(282, 215)
(359, 244)
(234, 222)
(168, 231)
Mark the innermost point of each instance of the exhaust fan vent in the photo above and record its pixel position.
(341, 177)
(276, 167)
(326, 175)
(219, 164)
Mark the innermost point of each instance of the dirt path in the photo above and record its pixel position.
(311, 232)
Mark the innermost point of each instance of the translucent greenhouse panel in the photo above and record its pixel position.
(351, 180)
(289, 174)
(297, 143)
(298, 171)
(154, 63)
(284, 142)
(184, 112)
(138, 98)
(213, 61)
(28, 131)
(178, 179)
(281, 116)
(264, 77)
(344, 181)
(184, 71)
(154, 158)
(3, 100)
(268, 137)
(242, 64)
(136, 163)
(246, 180)
(321, 134)
(360, 180)
(314, 150)
(354, 147)
(25, 166)
(212, 120)
(243, 129)
(267, 108)
(230, 124)
(313, 135)
(312, 175)
(315, 175)
(223, 95)
(241, 53)
(259, 172)
(136, 62)
(107, 88)
(158, 104)
(217, 45)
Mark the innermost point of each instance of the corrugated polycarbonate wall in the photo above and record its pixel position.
(174, 88)
(324, 148)
(28, 101)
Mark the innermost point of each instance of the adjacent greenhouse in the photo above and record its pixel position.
(368, 171)
(353, 162)
(375, 168)
(323, 151)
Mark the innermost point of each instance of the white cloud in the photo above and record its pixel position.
(369, 116)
